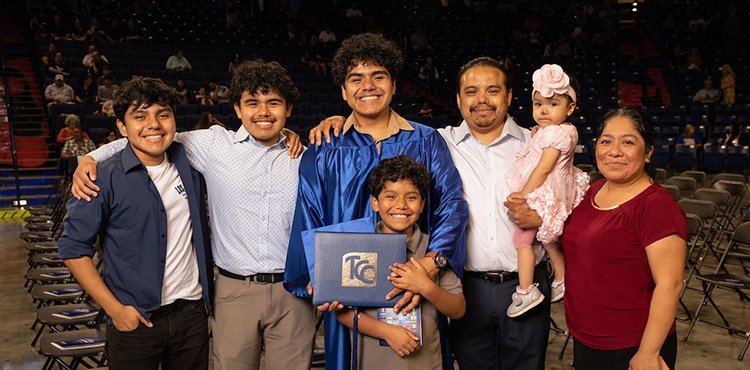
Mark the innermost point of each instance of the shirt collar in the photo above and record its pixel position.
(130, 161)
(411, 244)
(396, 123)
(511, 128)
(242, 135)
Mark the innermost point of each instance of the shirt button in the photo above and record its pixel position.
(163, 236)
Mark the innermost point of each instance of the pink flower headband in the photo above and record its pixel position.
(550, 80)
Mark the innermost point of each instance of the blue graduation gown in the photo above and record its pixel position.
(332, 190)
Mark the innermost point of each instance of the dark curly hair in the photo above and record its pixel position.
(143, 91)
(366, 47)
(258, 76)
(399, 168)
(486, 62)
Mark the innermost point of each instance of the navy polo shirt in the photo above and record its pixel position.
(129, 217)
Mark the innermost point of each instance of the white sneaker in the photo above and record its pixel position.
(558, 291)
(522, 303)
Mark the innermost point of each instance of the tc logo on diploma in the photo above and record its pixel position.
(359, 269)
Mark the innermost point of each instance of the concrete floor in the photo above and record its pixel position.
(708, 347)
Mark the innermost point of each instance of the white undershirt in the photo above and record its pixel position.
(181, 278)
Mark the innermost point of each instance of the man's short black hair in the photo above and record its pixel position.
(258, 76)
(486, 62)
(399, 168)
(142, 91)
(366, 47)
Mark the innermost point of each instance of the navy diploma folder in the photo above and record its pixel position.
(352, 268)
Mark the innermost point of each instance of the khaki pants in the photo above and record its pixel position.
(250, 317)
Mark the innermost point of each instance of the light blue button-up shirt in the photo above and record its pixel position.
(252, 191)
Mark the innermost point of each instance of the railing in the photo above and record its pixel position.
(7, 120)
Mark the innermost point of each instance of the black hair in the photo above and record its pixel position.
(576, 86)
(258, 76)
(486, 62)
(641, 124)
(142, 91)
(370, 48)
(399, 168)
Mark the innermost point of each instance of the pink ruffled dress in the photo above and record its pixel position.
(565, 185)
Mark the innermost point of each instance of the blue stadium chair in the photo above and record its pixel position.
(684, 157)
(581, 155)
(88, 109)
(97, 134)
(89, 122)
(660, 157)
(63, 109)
(736, 159)
(670, 131)
(713, 157)
(227, 109)
(184, 109)
(310, 109)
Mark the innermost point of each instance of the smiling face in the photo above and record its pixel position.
(263, 115)
(150, 131)
(368, 89)
(551, 111)
(399, 205)
(621, 153)
(483, 99)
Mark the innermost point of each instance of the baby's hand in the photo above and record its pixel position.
(402, 341)
(534, 130)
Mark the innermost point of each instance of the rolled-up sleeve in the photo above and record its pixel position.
(83, 225)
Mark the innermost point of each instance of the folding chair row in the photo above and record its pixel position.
(738, 249)
(695, 227)
(88, 347)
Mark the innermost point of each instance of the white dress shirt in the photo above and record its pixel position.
(483, 168)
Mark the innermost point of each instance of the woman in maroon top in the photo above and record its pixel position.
(624, 251)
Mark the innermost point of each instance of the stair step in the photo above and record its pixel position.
(31, 177)
(29, 187)
(30, 169)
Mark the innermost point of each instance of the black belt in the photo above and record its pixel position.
(257, 278)
(497, 277)
(177, 305)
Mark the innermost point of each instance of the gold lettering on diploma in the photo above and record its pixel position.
(359, 269)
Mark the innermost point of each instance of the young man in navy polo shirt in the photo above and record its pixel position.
(150, 216)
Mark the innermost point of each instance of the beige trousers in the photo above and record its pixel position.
(252, 317)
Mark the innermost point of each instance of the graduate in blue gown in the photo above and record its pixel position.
(333, 176)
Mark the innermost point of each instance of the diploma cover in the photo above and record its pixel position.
(353, 268)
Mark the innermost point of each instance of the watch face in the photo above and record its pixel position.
(440, 261)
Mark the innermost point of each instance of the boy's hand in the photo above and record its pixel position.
(293, 142)
(127, 319)
(323, 130)
(412, 277)
(402, 341)
(83, 186)
(328, 306)
(407, 303)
